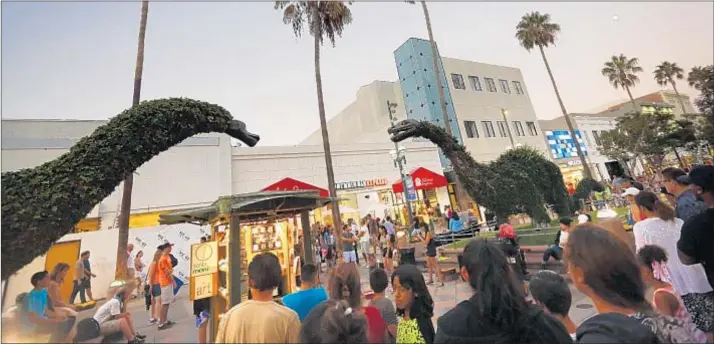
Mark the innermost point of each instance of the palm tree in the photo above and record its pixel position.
(665, 73)
(125, 210)
(460, 191)
(622, 72)
(324, 19)
(536, 30)
(697, 77)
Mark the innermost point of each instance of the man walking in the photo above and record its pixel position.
(310, 295)
(129, 261)
(687, 204)
(78, 283)
(166, 281)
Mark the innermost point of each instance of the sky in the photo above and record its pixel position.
(76, 60)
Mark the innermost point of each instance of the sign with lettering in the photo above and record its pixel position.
(204, 258)
(204, 286)
(411, 190)
(361, 184)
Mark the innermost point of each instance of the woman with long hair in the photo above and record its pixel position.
(152, 279)
(345, 285)
(603, 267)
(455, 224)
(334, 322)
(431, 263)
(139, 272)
(662, 229)
(386, 243)
(415, 306)
(57, 276)
(498, 311)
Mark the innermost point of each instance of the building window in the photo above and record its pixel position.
(490, 84)
(596, 137)
(471, 130)
(532, 128)
(518, 126)
(475, 83)
(517, 86)
(504, 86)
(502, 128)
(488, 128)
(458, 81)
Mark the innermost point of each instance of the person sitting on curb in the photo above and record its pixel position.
(38, 316)
(113, 317)
(561, 238)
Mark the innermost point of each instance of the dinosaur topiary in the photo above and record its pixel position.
(583, 190)
(519, 181)
(41, 204)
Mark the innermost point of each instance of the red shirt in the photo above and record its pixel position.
(377, 325)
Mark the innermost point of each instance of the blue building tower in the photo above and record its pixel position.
(420, 94)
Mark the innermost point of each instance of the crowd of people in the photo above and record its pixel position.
(672, 258)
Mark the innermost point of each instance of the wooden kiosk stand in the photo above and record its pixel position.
(243, 226)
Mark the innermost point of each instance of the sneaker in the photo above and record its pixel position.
(140, 336)
(165, 325)
(153, 321)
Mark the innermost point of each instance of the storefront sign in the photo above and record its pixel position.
(574, 163)
(360, 184)
(411, 191)
(204, 258)
(204, 286)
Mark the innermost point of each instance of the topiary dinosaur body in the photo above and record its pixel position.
(519, 181)
(585, 187)
(41, 204)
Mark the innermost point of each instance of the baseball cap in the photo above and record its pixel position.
(164, 246)
(631, 191)
(583, 218)
(674, 173)
(620, 180)
(701, 176)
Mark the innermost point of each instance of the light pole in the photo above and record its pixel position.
(504, 114)
(400, 160)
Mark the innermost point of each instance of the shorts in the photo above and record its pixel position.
(110, 327)
(167, 292)
(87, 283)
(155, 290)
(701, 308)
(202, 319)
(364, 247)
(298, 281)
(349, 256)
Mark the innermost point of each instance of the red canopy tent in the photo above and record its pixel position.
(423, 179)
(289, 184)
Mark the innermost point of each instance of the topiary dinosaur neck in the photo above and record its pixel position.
(42, 204)
(460, 159)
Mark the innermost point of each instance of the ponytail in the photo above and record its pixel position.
(651, 202)
(664, 211)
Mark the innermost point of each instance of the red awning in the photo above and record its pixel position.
(289, 184)
(423, 179)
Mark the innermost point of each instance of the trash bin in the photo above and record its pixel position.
(407, 256)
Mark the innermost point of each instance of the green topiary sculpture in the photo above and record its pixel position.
(519, 181)
(41, 204)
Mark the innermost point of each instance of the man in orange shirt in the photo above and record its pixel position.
(167, 284)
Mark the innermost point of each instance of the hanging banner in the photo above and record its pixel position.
(411, 190)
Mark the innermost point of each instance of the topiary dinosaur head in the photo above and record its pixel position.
(236, 129)
(404, 130)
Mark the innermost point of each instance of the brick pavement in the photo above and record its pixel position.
(184, 331)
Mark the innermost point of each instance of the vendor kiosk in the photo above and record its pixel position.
(263, 223)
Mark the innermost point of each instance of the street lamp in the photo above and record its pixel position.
(504, 114)
(399, 157)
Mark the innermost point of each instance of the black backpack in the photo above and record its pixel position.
(174, 261)
(87, 329)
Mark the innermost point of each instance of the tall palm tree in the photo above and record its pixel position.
(324, 19)
(460, 192)
(665, 73)
(622, 71)
(536, 30)
(125, 210)
(697, 77)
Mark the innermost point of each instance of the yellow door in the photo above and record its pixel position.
(64, 252)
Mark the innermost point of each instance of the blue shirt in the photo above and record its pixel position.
(302, 302)
(455, 225)
(688, 205)
(36, 301)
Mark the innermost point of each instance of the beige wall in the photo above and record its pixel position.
(483, 105)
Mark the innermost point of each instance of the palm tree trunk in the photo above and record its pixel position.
(121, 270)
(632, 100)
(336, 220)
(586, 167)
(461, 195)
(679, 159)
(679, 98)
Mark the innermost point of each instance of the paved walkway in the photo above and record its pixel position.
(184, 331)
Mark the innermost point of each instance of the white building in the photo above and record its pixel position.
(479, 92)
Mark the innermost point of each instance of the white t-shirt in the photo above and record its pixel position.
(129, 260)
(365, 236)
(112, 307)
(563, 238)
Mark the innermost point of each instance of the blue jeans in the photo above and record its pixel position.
(554, 251)
(77, 287)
